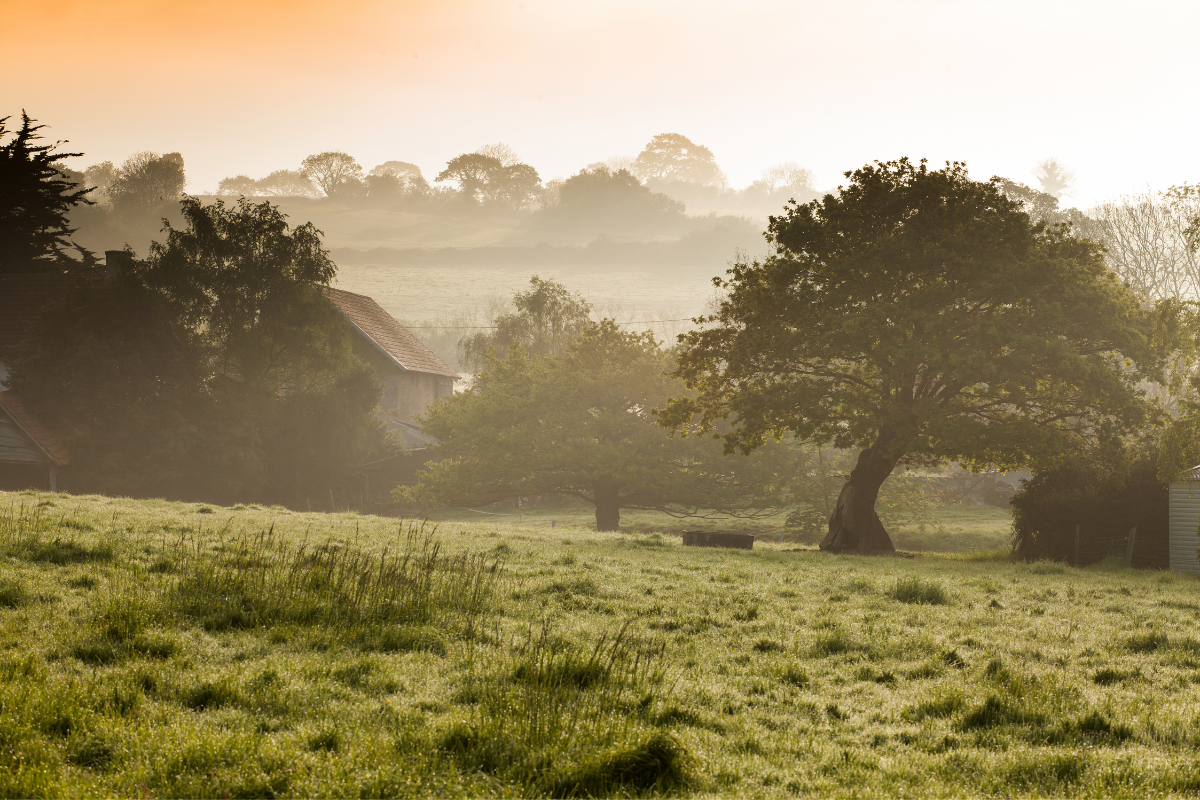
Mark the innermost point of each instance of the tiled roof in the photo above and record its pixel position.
(22, 299)
(39, 433)
(387, 334)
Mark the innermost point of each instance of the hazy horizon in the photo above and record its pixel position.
(252, 89)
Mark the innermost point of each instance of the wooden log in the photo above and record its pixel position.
(739, 541)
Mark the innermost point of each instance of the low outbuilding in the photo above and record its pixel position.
(1185, 522)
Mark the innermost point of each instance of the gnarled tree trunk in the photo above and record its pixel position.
(608, 508)
(854, 527)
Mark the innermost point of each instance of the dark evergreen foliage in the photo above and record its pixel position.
(35, 197)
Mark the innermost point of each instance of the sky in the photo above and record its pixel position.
(245, 87)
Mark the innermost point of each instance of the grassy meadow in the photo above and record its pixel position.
(163, 649)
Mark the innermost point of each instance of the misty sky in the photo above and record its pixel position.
(248, 87)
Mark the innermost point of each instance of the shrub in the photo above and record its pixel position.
(1105, 491)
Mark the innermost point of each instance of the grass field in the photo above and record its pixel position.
(960, 529)
(156, 649)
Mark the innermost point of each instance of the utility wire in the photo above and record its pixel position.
(493, 327)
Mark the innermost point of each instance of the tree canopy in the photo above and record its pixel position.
(486, 178)
(147, 180)
(580, 423)
(331, 171)
(674, 157)
(547, 318)
(211, 369)
(35, 198)
(919, 316)
(601, 196)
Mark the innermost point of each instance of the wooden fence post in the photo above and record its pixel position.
(1077, 544)
(1129, 546)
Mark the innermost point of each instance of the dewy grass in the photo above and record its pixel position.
(260, 581)
(919, 591)
(202, 654)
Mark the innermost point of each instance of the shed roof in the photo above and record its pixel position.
(22, 300)
(42, 436)
(388, 335)
(1190, 475)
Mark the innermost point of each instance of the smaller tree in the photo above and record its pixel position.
(331, 171)
(100, 176)
(238, 186)
(1054, 178)
(580, 423)
(407, 176)
(35, 198)
(601, 197)
(147, 180)
(674, 157)
(472, 172)
(546, 319)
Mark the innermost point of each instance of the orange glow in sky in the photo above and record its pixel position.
(253, 86)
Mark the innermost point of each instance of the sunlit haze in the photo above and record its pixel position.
(252, 87)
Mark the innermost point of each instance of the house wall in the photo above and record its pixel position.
(15, 446)
(1185, 521)
(406, 394)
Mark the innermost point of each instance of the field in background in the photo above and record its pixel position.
(160, 649)
(975, 529)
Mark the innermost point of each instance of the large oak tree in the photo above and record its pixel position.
(918, 316)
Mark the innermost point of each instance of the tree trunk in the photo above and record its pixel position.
(854, 527)
(608, 508)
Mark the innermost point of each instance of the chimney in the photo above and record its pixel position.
(116, 262)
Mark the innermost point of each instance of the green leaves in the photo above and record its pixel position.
(581, 423)
(926, 309)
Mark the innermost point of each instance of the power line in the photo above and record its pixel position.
(493, 327)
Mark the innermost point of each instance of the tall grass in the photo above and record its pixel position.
(259, 580)
(559, 720)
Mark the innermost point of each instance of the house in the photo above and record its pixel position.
(413, 376)
(30, 454)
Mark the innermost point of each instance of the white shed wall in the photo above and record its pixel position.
(1185, 520)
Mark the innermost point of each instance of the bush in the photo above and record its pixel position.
(1104, 493)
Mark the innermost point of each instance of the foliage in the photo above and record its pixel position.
(674, 157)
(485, 178)
(580, 423)
(212, 368)
(332, 171)
(920, 316)
(280, 183)
(546, 319)
(1105, 489)
(1054, 178)
(146, 181)
(602, 198)
(100, 176)
(35, 198)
